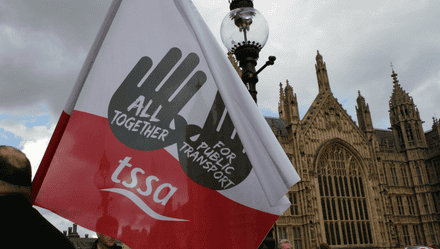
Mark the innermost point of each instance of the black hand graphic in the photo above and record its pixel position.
(143, 115)
(213, 156)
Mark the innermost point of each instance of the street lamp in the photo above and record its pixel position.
(244, 32)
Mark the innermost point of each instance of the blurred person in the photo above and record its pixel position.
(105, 242)
(16, 208)
(108, 225)
(285, 244)
(324, 246)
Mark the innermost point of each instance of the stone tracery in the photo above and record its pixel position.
(343, 197)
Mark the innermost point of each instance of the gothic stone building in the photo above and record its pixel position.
(360, 187)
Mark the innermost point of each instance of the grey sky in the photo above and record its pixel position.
(43, 44)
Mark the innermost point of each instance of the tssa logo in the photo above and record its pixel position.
(147, 192)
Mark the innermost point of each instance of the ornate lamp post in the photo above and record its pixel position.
(244, 32)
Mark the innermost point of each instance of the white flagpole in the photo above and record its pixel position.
(91, 57)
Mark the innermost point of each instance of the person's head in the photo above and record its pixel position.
(15, 172)
(324, 246)
(284, 243)
(109, 225)
(106, 240)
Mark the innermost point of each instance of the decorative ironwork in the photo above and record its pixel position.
(240, 4)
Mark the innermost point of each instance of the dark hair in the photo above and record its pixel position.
(17, 174)
(324, 246)
(107, 223)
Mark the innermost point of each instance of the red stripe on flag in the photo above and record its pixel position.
(48, 155)
(90, 183)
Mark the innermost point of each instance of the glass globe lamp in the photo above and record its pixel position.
(244, 26)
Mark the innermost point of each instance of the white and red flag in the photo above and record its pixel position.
(160, 145)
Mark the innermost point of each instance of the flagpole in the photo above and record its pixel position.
(65, 115)
(93, 52)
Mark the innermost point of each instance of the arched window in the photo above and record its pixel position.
(343, 198)
(409, 134)
(400, 135)
(418, 133)
(419, 174)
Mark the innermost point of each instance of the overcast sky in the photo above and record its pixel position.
(43, 44)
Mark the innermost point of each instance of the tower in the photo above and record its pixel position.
(364, 116)
(288, 108)
(281, 111)
(405, 119)
(321, 73)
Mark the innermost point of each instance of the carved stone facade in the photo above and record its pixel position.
(360, 187)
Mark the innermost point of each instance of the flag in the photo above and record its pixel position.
(160, 145)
